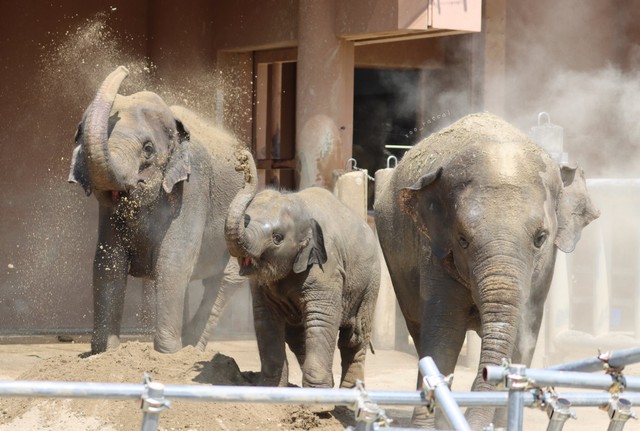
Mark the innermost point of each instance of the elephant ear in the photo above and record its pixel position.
(421, 202)
(179, 166)
(575, 209)
(313, 252)
(78, 172)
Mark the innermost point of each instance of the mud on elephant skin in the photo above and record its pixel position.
(314, 276)
(164, 180)
(469, 225)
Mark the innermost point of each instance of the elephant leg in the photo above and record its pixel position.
(353, 341)
(186, 313)
(353, 350)
(173, 274)
(270, 335)
(217, 293)
(445, 319)
(321, 332)
(192, 328)
(110, 267)
(294, 336)
(148, 306)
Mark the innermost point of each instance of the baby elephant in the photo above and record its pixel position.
(314, 273)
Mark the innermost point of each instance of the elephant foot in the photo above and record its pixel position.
(100, 345)
(167, 346)
(421, 419)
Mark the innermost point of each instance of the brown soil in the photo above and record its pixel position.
(127, 364)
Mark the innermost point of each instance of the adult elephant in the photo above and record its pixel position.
(314, 276)
(469, 224)
(164, 181)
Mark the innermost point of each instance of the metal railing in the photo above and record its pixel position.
(526, 388)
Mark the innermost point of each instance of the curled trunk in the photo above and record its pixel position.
(235, 233)
(96, 126)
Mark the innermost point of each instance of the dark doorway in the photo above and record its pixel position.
(385, 112)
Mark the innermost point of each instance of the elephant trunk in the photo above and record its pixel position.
(501, 283)
(96, 125)
(238, 240)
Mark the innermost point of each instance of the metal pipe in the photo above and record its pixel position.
(238, 394)
(619, 412)
(558, 411)
(434, 381)
(594, 399)
(615, 360)
(497, 374)
(153, 403)
(517, 383)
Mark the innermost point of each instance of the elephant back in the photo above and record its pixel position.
(215, 144)
(438, 149)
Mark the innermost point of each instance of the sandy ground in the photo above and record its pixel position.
(386, 370)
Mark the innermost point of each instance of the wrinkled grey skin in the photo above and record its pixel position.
(469, 225)
(164, 181)
(314, 274)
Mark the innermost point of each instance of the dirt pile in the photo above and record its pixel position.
(128, 364)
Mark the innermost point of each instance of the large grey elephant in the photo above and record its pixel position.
(469, 224)
(164, 180)
(314, 276)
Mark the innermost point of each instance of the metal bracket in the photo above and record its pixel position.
(516, 379)
(429, 385)
(619, 412)
(153, 400)
(558, 411)
(619, 382)
(369, 416)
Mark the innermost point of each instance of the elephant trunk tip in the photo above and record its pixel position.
(235, 234)
(123, 69)
(246, 166)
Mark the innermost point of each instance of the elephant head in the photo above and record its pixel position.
(271, 233)
(495, 215)
(129, 146)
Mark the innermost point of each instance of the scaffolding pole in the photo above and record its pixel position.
(615, 360)
(253, 394)
(436, 386)
(569, 379)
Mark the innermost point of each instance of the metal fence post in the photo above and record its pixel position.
(436, 386)
(369, 416)
(153, 403)
(558, 411)
(516, 382)
(619, 411)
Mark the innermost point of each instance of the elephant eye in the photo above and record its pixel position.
(463, 242)
(277, 238)
(541, 237)
(148, 150)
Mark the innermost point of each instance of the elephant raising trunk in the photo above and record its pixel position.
(96, 126)
(238, 238)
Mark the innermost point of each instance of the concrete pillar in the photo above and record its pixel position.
(324, 95)
(495, 29)
(386, 329)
